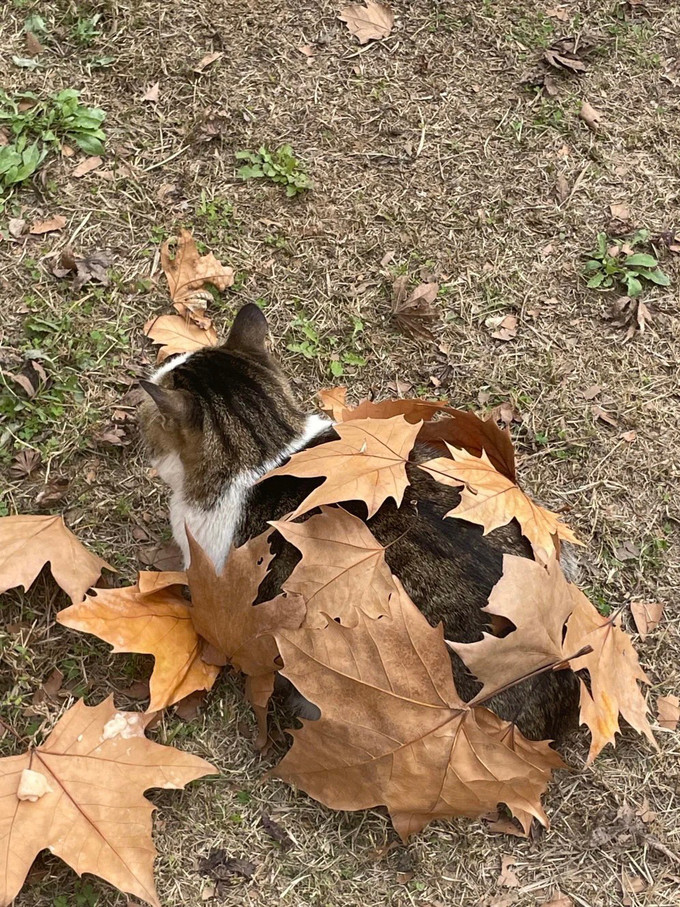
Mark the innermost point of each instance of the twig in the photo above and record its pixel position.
(14, 733)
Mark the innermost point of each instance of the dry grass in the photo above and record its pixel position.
(429, 146)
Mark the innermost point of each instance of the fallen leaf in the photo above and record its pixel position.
(558, 13)
(614, 675)
(630, 313)
(645, 812)
(393, 730)
(508, 878)
(620, 212)
(333, 401)
(189, 708)
(506, 328)
(152, 94)
(158, 624)
(466, 430)
(177, 335)
(24, 463)
(603, 416)
(371, 22)
(165, 557)
(629, 436)
(562, 188)
(558, 900)
(646, 616)
(537, 600)
(86, 166)
(33, 46)
(91, 269)
(627, 551)
(220, 867)
(51, 225)
(16, 227)
(27, 543)
(414, 314)
(668, 711)
(562, 55)
(491, 499)
(342, 571)
(366, 464)
(53, 491)
(591, 392)
(208, 60)
(94, 766)
(151, 581)
(590, 116)
(188, 273)
(50, 688)
(274, 830)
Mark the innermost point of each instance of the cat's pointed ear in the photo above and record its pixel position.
(177, 405)
(249, 331)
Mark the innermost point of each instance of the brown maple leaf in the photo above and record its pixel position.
(393, 730)
(188, 273)
(614, 675)
(333, 401)
(366, 464)
(414, 314)
(223, 613)
(80, 795)
(175, 334)
(157, 623)
(371, 22)
(491, 499)
(343, 569)
(537, 600)
(27, 543)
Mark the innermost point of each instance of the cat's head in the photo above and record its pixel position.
(211, 414)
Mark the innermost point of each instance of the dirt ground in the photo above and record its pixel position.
(440, 147)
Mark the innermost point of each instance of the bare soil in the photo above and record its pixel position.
(437, 147)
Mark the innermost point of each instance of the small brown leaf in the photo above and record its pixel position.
(506, 328)
(562, 55)
(591, 392)
(374, 21)
(590, 116)
(167, 557)
(86, 166)
(25, 462)
(604, 416)
(52, 225)
(152, 94)
(275, 831)
(33, 46)
(629, 436)
(620, 212)
(647, 616)
(188, 272)
(668, 711)
(562, 188)
(414, 314)
(508, 878)
(50, 688)
(55, 490)
(208, 60)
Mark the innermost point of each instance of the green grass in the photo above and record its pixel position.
(615, 264)
(279, 166)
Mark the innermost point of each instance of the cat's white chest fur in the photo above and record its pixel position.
(214, 528)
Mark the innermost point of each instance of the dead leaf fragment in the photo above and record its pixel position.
(158, 624)
(562, 55)
(33, 46)
(343, 569)
(25, 462)
(208, 60)
(86, 166)
(562, 188)
(646, 616)
(413, 313)
(508, 877)
(152, 94)
(668, 711)
(620, 212)
(88, 809)
(366, 464)
(27, 543)
(90, 269)
(371, 22)
(506, 328)
(491, 499)
(188, 273)
(590, 116)
(52, 225)
(178, 335)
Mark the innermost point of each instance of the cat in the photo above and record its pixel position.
(218, 419)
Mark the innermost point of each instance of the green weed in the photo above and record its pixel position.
(616, 265)
(280, 166)
(338, 353)
(38, 126)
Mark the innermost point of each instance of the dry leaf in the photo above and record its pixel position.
(620, 212)
(508, 878)
(562, 188)
(366, 464)
(393, 730)
(668, 711)
(24, 463)
(158, 624)
(506, 328)
(591, 392)
(208, 60)
(16, 227)
(342, 571)
(373, 21)
(48, 226)
(590, 116)
(603, 416)
(91, 269)
(188, 273)
(537, 600)
(178, 335)
(152, 94)
(491, 499)
(562, 55)
(27, 543)
(646, 616)
(333, 401)
(89, 811)
(558, 900)
(558, 13)
(33, 46)
(614, 675)
(414, 314)
(629, 436)
(86, 166)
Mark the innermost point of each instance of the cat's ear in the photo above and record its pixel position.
(249, 331)
(177, 405)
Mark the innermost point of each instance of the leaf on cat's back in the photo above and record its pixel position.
(367, 464)
(491, 500)
(175, 334)
(343, 569)
(393, 730)
(188, 273)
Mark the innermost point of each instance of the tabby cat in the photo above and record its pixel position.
(216, 420)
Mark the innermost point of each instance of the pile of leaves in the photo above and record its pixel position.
(393, 729)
